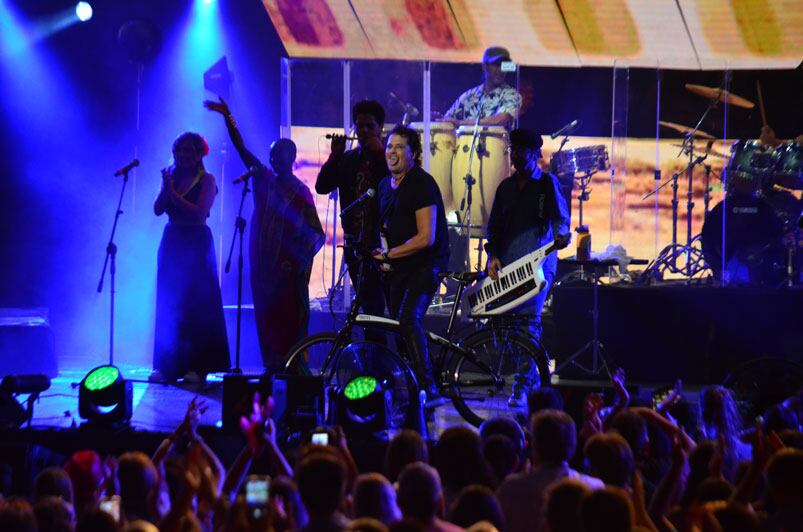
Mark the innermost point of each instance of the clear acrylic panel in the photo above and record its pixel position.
(313, 102)
(620, 107)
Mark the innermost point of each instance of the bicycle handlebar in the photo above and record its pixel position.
(464, 278)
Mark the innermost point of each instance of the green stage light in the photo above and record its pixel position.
(362, 407)
(360, 388)
(100, 378)
(105, 397)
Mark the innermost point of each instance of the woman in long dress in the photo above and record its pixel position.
(190, 336)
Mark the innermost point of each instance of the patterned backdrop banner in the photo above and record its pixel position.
(677, 34)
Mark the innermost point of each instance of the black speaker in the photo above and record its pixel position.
(298, 401)
(27, 349)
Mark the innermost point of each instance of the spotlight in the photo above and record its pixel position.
(105, 397)
(12, 414)
(83, 11)
(363, 407)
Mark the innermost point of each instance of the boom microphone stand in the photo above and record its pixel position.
(111, 259)
(470, 180)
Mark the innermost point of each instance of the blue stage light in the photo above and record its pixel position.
(83, 11)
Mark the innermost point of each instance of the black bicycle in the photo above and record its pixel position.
(479, 371)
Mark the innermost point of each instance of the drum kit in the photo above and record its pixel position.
(753, 235)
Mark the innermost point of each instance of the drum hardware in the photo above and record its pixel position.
(586, 160)
(668, 257)
(680, 128)
(720, 95)
(698, 151)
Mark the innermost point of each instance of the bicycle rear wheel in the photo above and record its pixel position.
(356, 359)
(513, 356)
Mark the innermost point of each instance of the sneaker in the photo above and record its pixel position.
(518, 396)
(193, 377)
(517, 399)
(434, 399)
(157, 377)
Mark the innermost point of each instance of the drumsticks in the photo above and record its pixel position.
(761, 104)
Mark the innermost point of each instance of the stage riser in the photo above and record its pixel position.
(697, 333)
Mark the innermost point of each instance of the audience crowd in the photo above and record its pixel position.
(621, 467)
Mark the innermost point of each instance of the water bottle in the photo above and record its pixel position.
(583, 243)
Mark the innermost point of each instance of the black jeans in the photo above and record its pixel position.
(372, 294)
(409, 295)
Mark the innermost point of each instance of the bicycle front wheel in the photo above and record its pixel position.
(502, 361)
(308, 355)
(354, 359)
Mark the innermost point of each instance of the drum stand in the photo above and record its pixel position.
(667, 259)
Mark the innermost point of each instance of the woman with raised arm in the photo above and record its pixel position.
(190, 335)
(285, 236)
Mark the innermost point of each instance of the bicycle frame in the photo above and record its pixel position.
(448, 348)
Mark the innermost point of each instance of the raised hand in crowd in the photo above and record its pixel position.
(219, 106)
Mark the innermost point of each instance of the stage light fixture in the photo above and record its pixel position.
(83, 11)
(363, 407)
(105, 396)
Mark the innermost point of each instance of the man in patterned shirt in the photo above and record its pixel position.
(495, 102)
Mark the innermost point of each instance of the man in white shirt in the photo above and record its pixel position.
(554, 439)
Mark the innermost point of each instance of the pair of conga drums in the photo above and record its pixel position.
(456, 153)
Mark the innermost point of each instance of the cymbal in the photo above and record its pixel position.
(715, 93)
(680, 128)
(700, 151)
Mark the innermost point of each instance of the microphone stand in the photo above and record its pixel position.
(239, 229)
(470, 180)
(111, 262)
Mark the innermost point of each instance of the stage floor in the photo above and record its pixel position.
(160, 408)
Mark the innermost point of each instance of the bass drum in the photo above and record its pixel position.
(490, 164)
(755, 231)
(441, 149)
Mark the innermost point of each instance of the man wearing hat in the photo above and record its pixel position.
(528, 212)
(495, 102)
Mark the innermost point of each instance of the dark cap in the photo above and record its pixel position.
(526, 139)
(495, 54)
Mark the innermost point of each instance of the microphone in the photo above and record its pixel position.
(370, 193)
(409, 108)
(250, 173)
(127, 168)
(332, 135)
(568, 128)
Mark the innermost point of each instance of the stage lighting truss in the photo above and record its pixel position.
(105, 396)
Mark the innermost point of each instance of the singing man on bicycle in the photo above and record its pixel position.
(411, 214)
(528, 212)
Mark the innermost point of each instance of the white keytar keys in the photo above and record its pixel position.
(517, 283)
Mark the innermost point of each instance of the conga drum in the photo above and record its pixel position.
(441, 149)
(490, 164)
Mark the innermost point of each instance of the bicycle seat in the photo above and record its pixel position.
(465, 278)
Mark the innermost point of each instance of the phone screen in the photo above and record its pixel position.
(256, 491)
(111, 505)
(320, 438)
